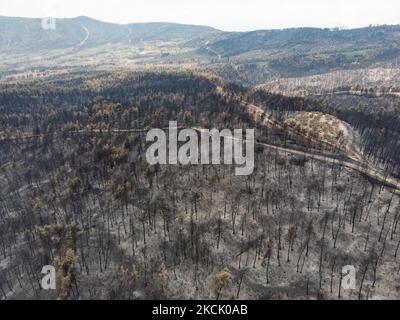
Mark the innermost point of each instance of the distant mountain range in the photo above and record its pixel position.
(304, 40)
(25, 34)
(304, 51)
(248, 57)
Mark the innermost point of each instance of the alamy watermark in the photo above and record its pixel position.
(49, 23)
(349, 278)
(49, 10)
(49, 279)
(233, 148)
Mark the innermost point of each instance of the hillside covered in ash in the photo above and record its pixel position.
(77, 193)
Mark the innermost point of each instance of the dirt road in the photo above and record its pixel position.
(356, 161)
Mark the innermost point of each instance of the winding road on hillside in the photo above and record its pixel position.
(85, 39)
(356, 161)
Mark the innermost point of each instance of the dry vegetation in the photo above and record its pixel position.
(116, 228)
(325, 127)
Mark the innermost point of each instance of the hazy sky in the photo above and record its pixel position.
(222, 14)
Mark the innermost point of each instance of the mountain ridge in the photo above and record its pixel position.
(251, 57)
(21, 34)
